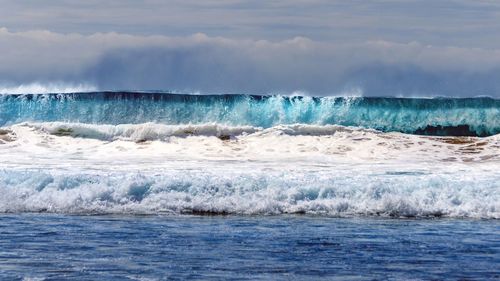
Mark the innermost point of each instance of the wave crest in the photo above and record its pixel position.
(444, 117)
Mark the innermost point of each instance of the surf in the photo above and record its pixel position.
(438, 116)
(159, 153)
(345, 193)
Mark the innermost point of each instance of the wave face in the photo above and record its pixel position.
(442, 117)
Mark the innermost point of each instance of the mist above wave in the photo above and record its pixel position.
(46, 88)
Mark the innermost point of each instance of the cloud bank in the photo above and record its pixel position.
(462, 23)
(200, 63)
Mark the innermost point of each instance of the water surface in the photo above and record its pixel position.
(70, 247)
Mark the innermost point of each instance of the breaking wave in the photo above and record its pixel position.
(442, 117)
(344, 194)
(153, 131)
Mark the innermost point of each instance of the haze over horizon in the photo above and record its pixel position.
(372, 48)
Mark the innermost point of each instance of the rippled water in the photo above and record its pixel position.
(54, 247)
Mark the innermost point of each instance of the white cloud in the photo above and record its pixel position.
(217, 64)
(445, 22)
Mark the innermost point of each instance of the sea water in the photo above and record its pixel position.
(107, 185)
(71, 247)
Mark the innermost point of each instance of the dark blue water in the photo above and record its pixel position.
(66, 247)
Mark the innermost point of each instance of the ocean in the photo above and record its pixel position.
(154, 186)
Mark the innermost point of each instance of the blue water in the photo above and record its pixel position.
(440, 116)
(60, 189)
(66, 247)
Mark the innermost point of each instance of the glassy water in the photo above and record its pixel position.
(70, 247)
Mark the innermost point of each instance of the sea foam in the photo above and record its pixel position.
(337, 192)
(329, 171)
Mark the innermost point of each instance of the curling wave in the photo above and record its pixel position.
(442, 117)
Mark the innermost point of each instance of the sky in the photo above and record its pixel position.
(372, 48)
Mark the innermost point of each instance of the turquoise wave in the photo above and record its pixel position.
(439, 116)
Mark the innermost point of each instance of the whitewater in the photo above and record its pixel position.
(161, 153)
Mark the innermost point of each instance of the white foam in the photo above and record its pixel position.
(139, 132)
(324, 170)
(330, 143)
(339, 192)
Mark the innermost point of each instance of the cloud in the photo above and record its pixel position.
(461, 23)
(222, 65)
